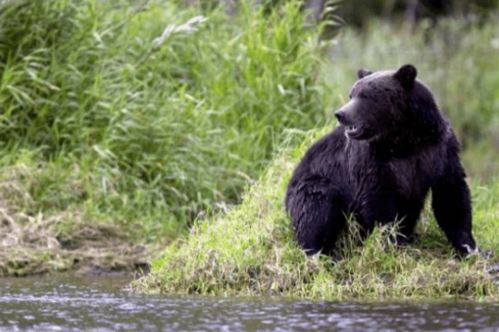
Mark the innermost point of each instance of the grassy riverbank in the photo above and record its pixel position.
(42, 230)
(249, 251)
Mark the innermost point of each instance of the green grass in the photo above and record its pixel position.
(43, 229)
(154, 134)
(250, 251)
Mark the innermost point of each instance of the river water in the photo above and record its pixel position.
(102, 304)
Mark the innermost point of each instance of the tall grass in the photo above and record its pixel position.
(158, 131)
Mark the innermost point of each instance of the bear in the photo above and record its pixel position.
(392, 146)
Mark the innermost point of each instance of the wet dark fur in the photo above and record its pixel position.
(406, 149)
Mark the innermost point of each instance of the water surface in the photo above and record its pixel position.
(101, 304)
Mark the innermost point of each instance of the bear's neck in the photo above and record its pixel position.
(404, 144)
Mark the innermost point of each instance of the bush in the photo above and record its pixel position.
(173, 127)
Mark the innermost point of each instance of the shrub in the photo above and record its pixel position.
(175, 127)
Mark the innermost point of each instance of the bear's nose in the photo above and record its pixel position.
(340, 115)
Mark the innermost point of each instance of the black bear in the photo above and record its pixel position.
(392, 146)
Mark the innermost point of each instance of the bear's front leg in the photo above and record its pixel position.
(452, 206)
(317, 212)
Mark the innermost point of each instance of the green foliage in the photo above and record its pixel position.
(165, 128)
(250, 251)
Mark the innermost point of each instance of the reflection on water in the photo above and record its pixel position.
(73, 304)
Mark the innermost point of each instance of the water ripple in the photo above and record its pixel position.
(75, 304)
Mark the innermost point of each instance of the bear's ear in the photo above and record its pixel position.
(406, 75)
(363, 73)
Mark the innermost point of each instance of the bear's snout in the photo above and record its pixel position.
(340, 115)
(345, 114)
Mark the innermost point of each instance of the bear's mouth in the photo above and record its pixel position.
(358, 133)
(352, 131)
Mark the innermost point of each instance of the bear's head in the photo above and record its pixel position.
(389, 105)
